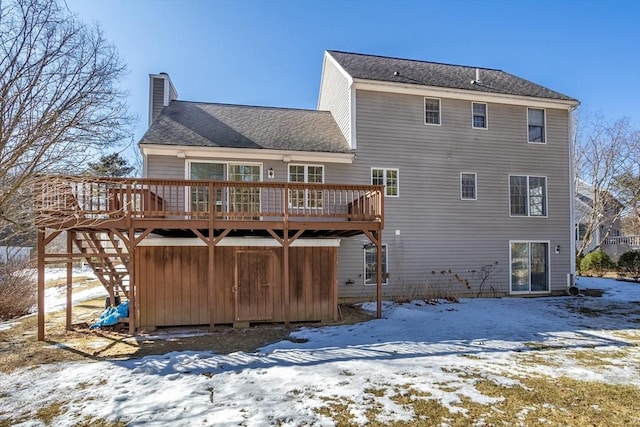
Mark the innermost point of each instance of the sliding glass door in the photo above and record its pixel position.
(529, 267)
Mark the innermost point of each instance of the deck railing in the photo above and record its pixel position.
(93, 198)
(631, 241)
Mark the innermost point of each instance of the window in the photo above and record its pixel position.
(528, 195)
(386, 177)
(479, 120)
(231, 199)
(468, 186)
(244, 199)
(432, 111)
(581, 231)
(529, 267)
(371, 264)
(306, 198)
(535, 120)
(200, 195)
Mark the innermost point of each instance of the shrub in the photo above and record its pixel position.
(17, 290)
(597, 262)
(629, 262)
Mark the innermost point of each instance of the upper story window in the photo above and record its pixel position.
(528, 195)
(432, 111)
(479, 119)
(536, 123)
(388, 178)
(306, 198)
(468, 186)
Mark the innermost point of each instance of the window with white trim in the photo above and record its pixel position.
(388, 178)
(306, 198)
(479, 118)
(468, 186)
(432, 111)
(536, 125)
(528, 195)
(371, 264)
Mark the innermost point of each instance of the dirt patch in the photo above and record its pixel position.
(19, 347)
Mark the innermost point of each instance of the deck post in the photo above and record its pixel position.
(69, 278)
(131, 245)
(285, 257)
(379, 274)
(41, 251)
(211, 270)
(285, 276)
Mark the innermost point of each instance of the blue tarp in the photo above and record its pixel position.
(111, 315)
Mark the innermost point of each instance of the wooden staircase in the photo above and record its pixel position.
(108, 258)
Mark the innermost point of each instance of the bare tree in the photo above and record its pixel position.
(59, 98)
(605, 153)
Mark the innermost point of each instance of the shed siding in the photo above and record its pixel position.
(335, 97)
(438, 231)
(173, 284)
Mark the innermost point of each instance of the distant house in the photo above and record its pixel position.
(408, 179)
(607, 234)
(609, 224)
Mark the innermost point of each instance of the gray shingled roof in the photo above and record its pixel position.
(240, 126)
(380, 68)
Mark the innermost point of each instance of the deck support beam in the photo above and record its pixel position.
(69, 280)
(131, 246)
(41, 250)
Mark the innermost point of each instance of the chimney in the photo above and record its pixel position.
(161, 93)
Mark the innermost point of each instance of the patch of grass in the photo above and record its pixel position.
(377, 392)
(537, 346)
(100, 422)
(338, 410)
(531, 401)
(530, 359)
(631, 336)
(62, 282)
(472, 356)
(595, 359)
(49, 412)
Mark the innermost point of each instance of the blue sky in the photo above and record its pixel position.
(270, 52)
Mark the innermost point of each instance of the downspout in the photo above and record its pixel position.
(572, 289)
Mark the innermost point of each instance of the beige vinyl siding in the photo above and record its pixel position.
(438, 231)
(335, 97)
(165, 167)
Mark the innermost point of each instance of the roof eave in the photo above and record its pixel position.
(471, 95)
(226, 153)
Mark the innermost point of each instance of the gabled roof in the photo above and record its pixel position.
(239, 126)
(413, 72)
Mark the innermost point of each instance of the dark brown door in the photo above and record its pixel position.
(254, 284)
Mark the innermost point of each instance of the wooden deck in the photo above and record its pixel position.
(106, 219)
(88, 203)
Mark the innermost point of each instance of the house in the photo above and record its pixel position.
(411, 179)
(608, 223)
(607, 229)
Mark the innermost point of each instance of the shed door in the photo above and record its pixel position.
(254, 285)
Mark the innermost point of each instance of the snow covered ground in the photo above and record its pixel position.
(56, 297)
(435, 348)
